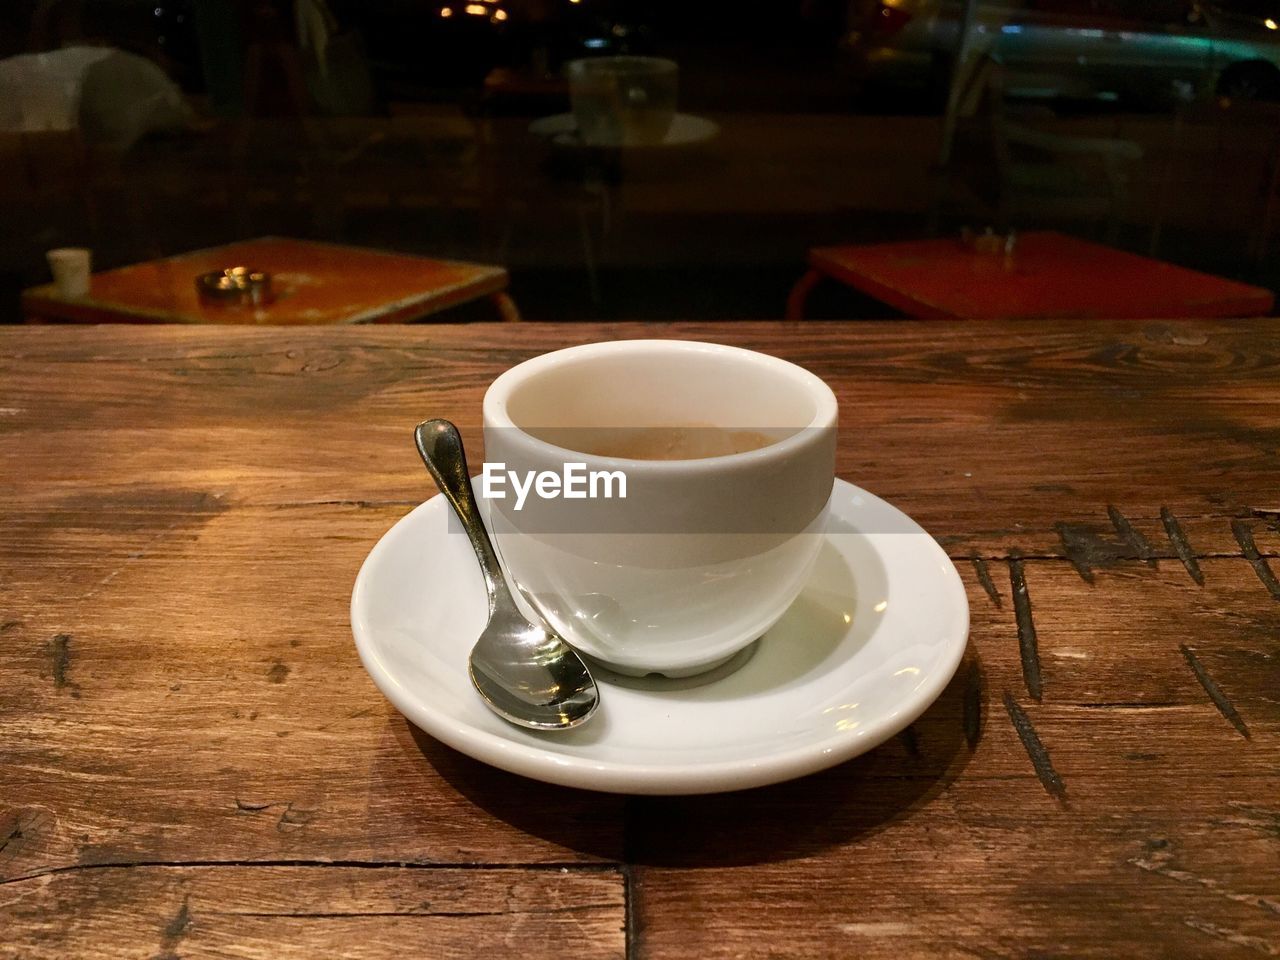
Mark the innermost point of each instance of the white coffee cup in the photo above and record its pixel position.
(70, 267)
(702, 556)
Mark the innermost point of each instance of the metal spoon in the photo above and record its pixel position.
(525, 673)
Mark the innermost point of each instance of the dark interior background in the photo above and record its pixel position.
(830, 120)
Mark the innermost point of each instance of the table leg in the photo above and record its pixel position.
(507, 308)
(800, 293)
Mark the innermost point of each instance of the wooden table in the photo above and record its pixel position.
(1047, 276)
(193, 762)
(314, 283)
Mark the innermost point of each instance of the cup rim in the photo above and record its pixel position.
(496, 397)
(658, 64)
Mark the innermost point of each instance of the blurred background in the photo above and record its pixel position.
(144, 129)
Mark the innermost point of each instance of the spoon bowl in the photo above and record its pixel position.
(526, 674)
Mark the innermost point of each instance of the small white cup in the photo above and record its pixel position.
(703, 555)
(71, 267)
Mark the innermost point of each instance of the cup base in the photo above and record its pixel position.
(721, 666)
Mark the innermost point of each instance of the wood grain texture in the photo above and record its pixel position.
(278, 912)
(1164, 842)
(184, 721)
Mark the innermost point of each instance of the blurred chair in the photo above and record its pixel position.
(1004, 169)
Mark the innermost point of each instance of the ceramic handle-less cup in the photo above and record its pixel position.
(70, 267)
(702, 555)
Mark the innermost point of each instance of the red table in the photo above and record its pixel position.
(1048, 275)
(314, 284)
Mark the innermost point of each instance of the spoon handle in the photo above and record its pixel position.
(440, 445)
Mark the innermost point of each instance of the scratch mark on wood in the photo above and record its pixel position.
(1072, 543)
(171, 933)
(252, 806)
(355, 915)
(1048, 777)
(177, 927)
(1131, 535)
(21, 827)
(135, 555)
(1086, 549)
(984, 578)
(361, 504)
(1269, 514)
(1244, 537)
(632, 929)
(553, 866)
(9, 625)
(278, 672)
(1028, 647)
(60, 658)
(294, 818)
(910, 741)
(1158, 858)
(1126, 705)
(1233, 937)
(15, 835)
(1225, 706)
(1181, 545)
(1259, 818)
(973, 684)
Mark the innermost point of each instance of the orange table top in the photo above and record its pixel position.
(313, 283)
(1048, 275)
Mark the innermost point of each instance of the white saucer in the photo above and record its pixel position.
(685, 130)
(872, 641)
